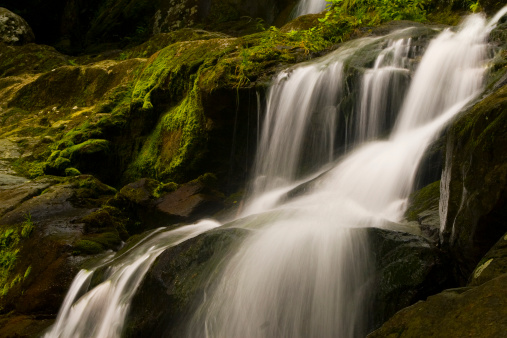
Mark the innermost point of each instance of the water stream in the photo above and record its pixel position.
(309, 7)
(303, 273)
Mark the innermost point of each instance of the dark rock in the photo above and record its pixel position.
(48, 228)
(176, 282)
(492, 265)
(491, 7)
(423, 207)
(191, 201)
(473, 204)
(408, 268)
(464, 312)
(13, 29)
(24, 326)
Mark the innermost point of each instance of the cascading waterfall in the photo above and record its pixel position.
(382, 90)
(100, 311)
(303, 272)
(309, 7)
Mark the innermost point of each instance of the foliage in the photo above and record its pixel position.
(10, 239)
(27, 226)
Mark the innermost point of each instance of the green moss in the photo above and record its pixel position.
(88, 147)
(10, 244)
(27, 226)
(30, 169)
(165, 188)
(424, 199)
(86, 247)
(29, 58)
(72, 172)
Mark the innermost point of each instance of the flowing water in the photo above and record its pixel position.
(309, 7)
(303, 272)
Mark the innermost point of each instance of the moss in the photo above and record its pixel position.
(165, 188)
(425, 199)
(88, 147)
(30, 169)
(72, 172)
(27, 272)
(107, 219)
(160, 41)
(86, 247)
(11, 239)
(29, 58)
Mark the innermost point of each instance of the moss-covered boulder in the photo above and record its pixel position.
(474, 182)
(423, 208)
(40, 236)
(492, 265)
(464, 312)
(13, 29)
(408, 268)
(176, 283)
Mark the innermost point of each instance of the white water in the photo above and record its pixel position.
(309, 7)
(304, 273)
(101, 311)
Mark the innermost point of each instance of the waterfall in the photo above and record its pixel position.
(303, 272)
(309, 7)
(100, 311)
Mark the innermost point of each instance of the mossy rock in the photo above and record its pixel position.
(176, 282)
(476, 312)
(492, 265)
(30, 58)
(46, 222)
(474, 182)
(424, 199)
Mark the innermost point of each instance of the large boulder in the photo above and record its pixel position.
(478, 310)
(464, 312)
(44, 240)
(13, 29)
(408, 268)
(405, 268)
(473, 204)
(176, 284)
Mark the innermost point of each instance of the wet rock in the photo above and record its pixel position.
(191, 201)
(409, 268)
(423, 207)
(492, 265)
(16, 190)
(44, 223)
(473, 204)
(491, 7)
(23, 326)
(153, 204)
(14, 29)
(466, 312)
(176, 282)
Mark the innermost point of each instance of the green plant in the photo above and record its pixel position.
(27, 226)
(475, 7)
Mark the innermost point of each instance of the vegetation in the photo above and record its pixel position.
(10, 239)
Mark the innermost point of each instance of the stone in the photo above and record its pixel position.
(14, 29)
(473, 203)
(465, 312)
(492, 265)
(408, 268)
(176, 282)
